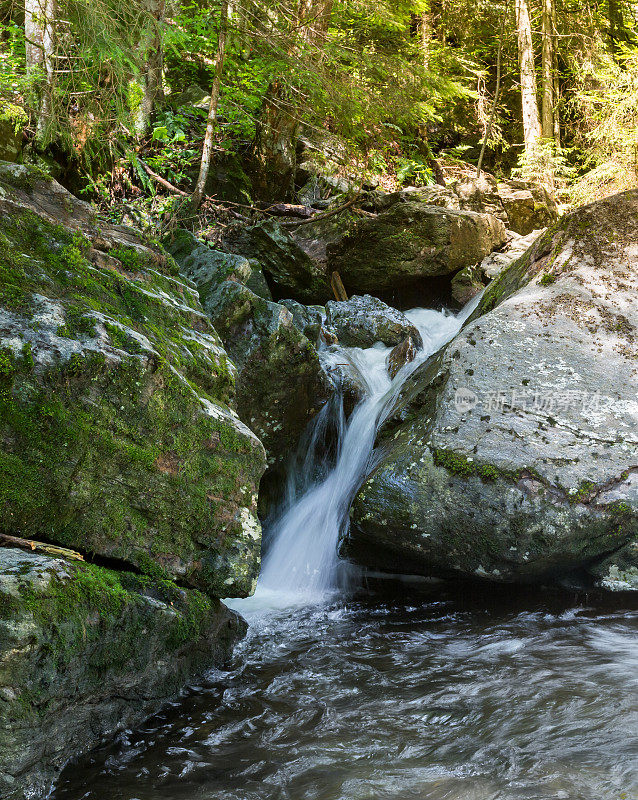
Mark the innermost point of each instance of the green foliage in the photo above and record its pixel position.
(544, 163)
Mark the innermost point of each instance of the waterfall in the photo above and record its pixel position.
(302, 564)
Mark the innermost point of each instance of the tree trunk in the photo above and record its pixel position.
(547, 70)
(220, 55)
(39, 29)
(279, 121)
(152, 80)
(425, 32)
(531, 123)
(497, 93)
(616, 25)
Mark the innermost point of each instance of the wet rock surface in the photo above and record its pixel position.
(363, 321)
(86, 652)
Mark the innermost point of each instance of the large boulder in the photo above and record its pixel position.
(86, 652)
(523, 207)
(410, 243)
(528, 206)
(513, 453)
(291, 271)
(363, 321)
(117, 433)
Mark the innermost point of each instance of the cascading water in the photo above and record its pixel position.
(302, 563)
(427, 693)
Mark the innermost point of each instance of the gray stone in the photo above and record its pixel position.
(290, 269)
(411, 242)
(281, 384)
(363, 321)
(208, 268)
(513, 454)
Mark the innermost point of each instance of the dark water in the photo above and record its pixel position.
(456, 697)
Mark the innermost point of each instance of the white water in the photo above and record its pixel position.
(302, 565)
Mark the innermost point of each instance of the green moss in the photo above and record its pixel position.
(547, 279)
(584, 492)
(454, 463)
(77, 324)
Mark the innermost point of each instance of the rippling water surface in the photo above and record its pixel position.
(442, 697)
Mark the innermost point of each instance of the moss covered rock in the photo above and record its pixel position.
(410, 243)
(117, 435)
(13, 120)
(86, 652)
(281, 384)
(513, 453)
(291, 271)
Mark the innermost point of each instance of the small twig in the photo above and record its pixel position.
(28, 544)
(325, 214)
(162, 181)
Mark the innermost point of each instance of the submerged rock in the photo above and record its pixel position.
(410, 243)
(363, 321)
(86, 652)
(515, 450)
(403, 354)
(117, 436)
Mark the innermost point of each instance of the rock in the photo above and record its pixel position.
(516, 457)
(86, 652)
(436, 195)
(492, 265)
(117, 437)
(619, 572)
(307, 319)
(290, 269)
(528, 207)
(280, 383)
(208, 268)
(410, 243)
(403, 354)
(227, 180)
(193, 95)
(315, 237)
(363, 321)
(466, 284)
(481, 195)
(346, 377)
(13, 121)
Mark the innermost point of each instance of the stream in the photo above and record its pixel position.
(417, 690)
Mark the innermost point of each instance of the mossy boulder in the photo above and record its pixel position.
(281, 384)
(13, 121)
(411, 243)
(117, 432)
(86, 652)
(512, 454)
(208, 267)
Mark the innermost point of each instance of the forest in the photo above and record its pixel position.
(543, 90)
(318, 400)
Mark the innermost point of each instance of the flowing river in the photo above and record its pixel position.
(404, 691)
